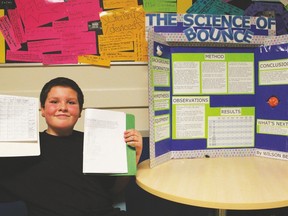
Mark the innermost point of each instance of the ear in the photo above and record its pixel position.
(42, 112)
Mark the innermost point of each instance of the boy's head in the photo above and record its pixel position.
(64, 82)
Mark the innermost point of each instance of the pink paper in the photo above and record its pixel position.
(23, 56)
(44, 46)
(35, 13)
(59, 27)
(8, 33)
(80, 37)
(42, 33)
(15, 20)
(84, 10)
(70, 26)
(80, 49)
(80, 43)
(49, 59)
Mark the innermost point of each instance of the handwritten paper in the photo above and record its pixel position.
(87, 10)
(45, 46)
(214, 7)
(54, 59)
(80, 43)
(62, 28)
(123, 34)
(40, 33)
(56, 28)
(132, 46)
(8, 33)
(116, 43)
(163, 6)
(2, 42)
(104, 146)
(23, 56)
(18, 118)
(94, 60)
(35, 13)
(123, 21)
(141, 48)
(19, 126)
(68, 26)
(16, 23)
(113, 4)
(119, 56)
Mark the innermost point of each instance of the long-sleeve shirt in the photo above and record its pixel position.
(53, 183)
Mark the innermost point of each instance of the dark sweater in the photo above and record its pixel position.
(53, 183)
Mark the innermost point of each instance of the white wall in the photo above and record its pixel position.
(120, 87)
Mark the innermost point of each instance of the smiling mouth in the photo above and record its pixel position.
(62, 116)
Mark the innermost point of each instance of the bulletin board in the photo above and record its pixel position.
(57, 32)
(71, 31)
(98, 32)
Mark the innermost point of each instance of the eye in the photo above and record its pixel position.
(72, 102)
(53, 101)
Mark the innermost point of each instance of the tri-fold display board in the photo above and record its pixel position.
(217, 98)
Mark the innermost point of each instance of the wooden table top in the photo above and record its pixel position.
(239, 183)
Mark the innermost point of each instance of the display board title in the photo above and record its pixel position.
(215, 28)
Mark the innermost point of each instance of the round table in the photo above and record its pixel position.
(235, 183)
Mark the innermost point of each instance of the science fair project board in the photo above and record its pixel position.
(215, 90)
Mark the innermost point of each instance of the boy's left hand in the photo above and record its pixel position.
(134, 139)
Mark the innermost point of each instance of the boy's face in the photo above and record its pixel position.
(61, 110)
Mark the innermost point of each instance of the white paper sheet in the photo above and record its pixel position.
(104, 146)
(19, 126)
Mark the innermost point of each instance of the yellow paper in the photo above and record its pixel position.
(141, 48)
(113, 47)
(2, 43)
(123, 36)
(123, 21)
(118, 37)
(116, 46)
(94, 60)
(183, 5)
(112, 4)
(116, 43)
(120, 56)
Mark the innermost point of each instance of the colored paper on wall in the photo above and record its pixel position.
(94, 60)
(119, 56)
(2, 43)
(141, 48)
(183, 6)
(51, 28)
(8, 33)
(123, 34)
(122, 21)
(17, 26)
(54, 59)
(44, 46)
(164, 6)
(214, 7)
(38, 12)
(83, 10)
(116, 43)
(23, 56)
(79, 44)
(113, 4)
